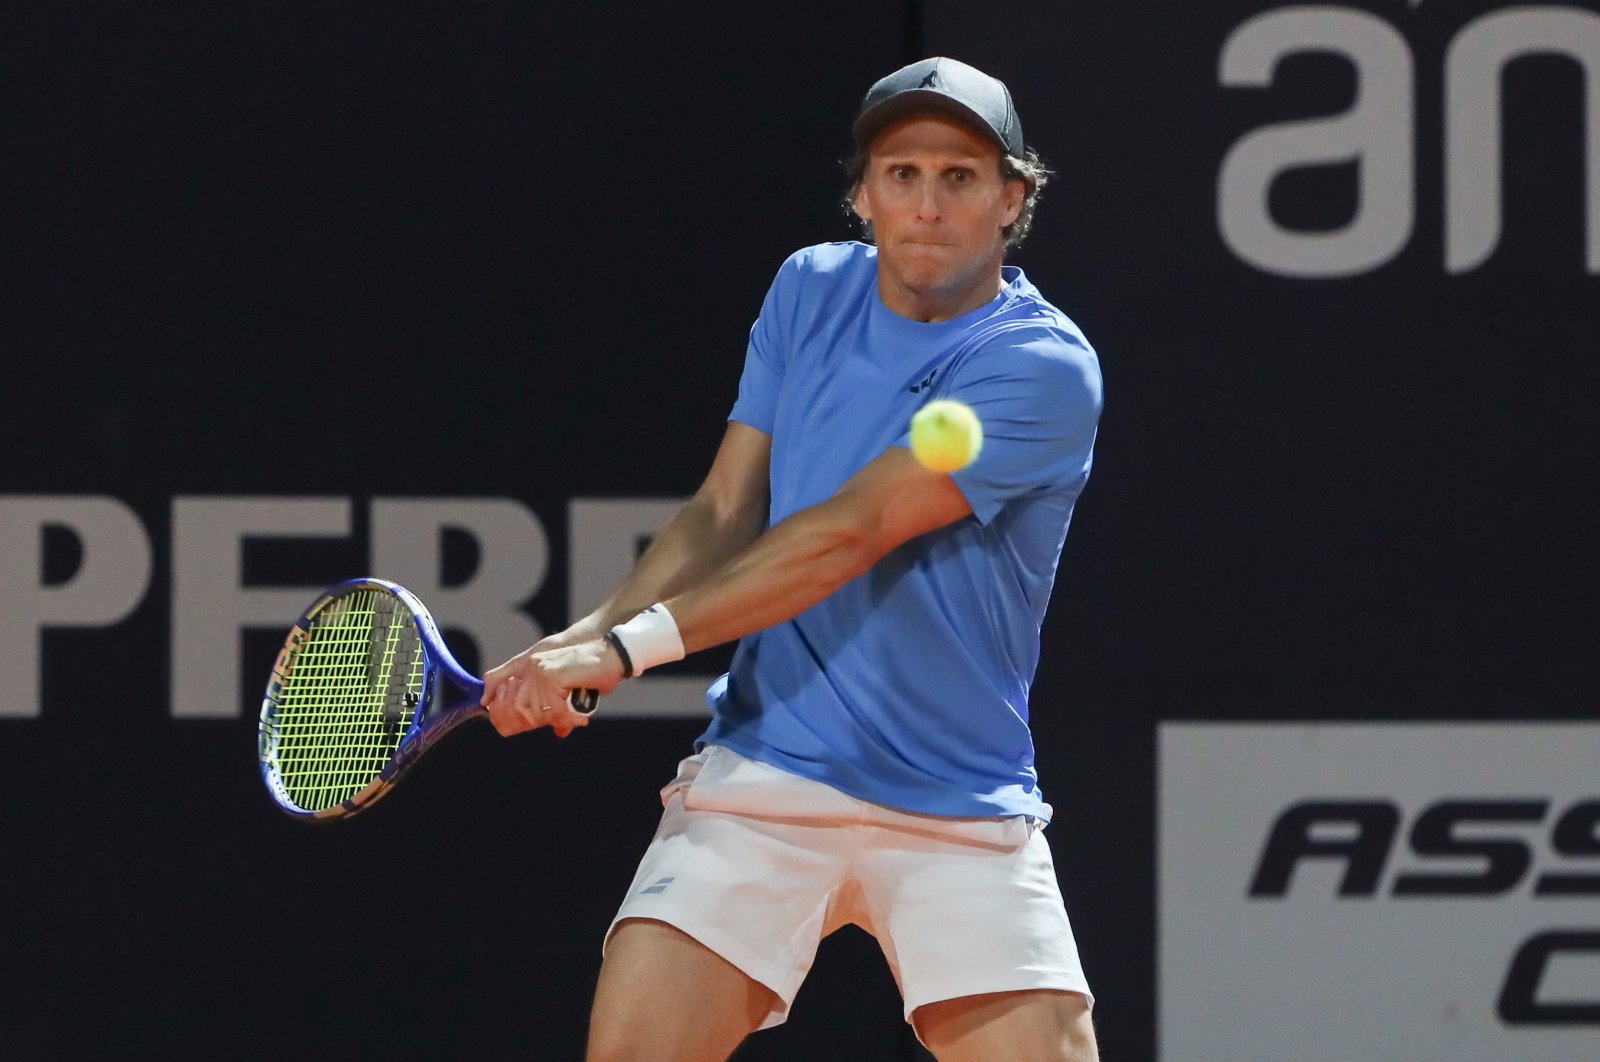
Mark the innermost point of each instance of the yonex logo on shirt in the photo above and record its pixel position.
(927, 382)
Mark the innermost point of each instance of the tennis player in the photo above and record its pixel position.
(869, 758)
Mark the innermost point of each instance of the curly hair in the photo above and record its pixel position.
(1029, 169)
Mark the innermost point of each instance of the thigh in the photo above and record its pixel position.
(754, 892)
(663, 995)
(1035, 1026)
(959, 918)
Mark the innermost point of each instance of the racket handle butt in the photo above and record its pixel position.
(585, 701)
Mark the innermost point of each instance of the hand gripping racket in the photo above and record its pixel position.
(355, 699)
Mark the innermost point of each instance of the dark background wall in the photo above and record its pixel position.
(249, 249)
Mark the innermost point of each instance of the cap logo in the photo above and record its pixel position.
(930, 80)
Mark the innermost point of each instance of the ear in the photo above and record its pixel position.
(861, 202)
(1016, 194)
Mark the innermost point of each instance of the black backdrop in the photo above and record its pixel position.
(248, 245)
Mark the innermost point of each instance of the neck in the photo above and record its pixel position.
(932, 305)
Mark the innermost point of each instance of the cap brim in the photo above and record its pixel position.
(919, 101)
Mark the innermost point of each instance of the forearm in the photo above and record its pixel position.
(809, 555)
(696, 542)
(773, 578)
(782, 573)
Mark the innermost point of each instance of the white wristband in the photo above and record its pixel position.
(650, 638)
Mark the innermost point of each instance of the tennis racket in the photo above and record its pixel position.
(357, 695)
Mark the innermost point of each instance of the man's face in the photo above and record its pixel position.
(934, 194)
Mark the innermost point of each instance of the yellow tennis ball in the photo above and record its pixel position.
(946, 435)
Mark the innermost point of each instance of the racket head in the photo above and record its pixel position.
(347, 708)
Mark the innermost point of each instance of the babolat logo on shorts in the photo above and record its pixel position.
(1442, 881)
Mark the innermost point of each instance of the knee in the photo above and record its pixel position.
(1035, 1024)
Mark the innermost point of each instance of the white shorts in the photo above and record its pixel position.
(759, 865)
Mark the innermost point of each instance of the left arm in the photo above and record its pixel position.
(808, 556)
(795, 564)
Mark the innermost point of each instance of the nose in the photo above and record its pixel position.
(928, 204)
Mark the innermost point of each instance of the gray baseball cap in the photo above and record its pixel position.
(947, 85)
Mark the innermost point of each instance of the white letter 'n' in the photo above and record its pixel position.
(1473, 69)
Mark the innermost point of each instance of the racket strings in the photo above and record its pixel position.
(348, 690)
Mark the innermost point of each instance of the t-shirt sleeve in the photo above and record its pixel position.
(1037, 394)
(766, 353)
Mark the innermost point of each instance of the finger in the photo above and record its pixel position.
(532, 704)
(508, 711)
(505, 721)
(564, 720)
(572, 721)
(496, 680)
(544, 693)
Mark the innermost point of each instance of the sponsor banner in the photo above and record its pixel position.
(1383, 892)
(223, 584)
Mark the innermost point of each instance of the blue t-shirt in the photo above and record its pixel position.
(909, 685)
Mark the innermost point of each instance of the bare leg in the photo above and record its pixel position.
(665, 997)
(1035, 1026)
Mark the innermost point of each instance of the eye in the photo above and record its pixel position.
(901, 173)
(961, 175)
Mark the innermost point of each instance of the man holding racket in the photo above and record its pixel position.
(869, 758)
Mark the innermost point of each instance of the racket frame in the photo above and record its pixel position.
(428, 724)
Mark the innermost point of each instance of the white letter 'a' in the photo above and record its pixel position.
(1377, 132)
(1473, 68)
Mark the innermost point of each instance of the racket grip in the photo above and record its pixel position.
(584, 701)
